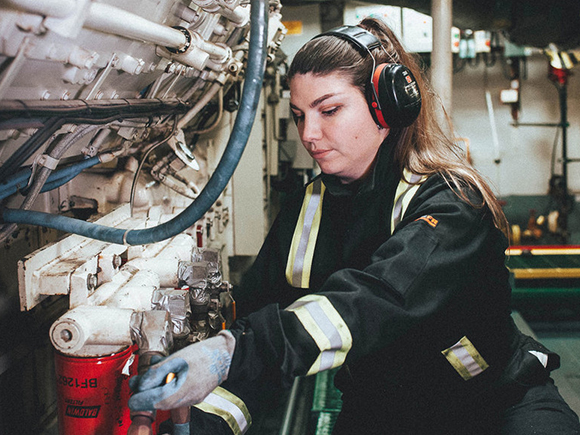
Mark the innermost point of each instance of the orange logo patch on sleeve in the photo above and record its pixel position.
(430, 220)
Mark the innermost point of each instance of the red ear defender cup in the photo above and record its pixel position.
(375, 106)
(395, 99)
(399, 99)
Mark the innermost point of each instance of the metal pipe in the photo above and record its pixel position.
(441, 56)
(109, 19)
(290, 408)
(15, 65)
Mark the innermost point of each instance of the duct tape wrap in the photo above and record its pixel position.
(193, 274)
(90, 331)
(176, 303)
(214, 275)
(151, 330)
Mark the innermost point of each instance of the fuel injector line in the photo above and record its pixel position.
(216, 184)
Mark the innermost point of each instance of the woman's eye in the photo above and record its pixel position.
(297, 117)
(330, 112)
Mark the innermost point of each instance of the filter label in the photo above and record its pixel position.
(76, 382)
(82, 411)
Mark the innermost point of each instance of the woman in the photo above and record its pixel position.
(390, 265)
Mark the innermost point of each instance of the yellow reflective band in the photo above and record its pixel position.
(403, 196)
(326, 327)
(301, 253)
(231, 408)
(465, 359)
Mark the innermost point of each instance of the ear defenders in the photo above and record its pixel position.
(395, 100)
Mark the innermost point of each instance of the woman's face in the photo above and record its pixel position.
(335, 124)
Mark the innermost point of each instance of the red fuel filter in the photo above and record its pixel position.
(93, 393)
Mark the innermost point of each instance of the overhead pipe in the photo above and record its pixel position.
(110, 19)
(442, 56)
(217, 183)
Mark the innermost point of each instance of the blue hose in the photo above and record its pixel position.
(63, 176)
(18, 181)
(216, 184)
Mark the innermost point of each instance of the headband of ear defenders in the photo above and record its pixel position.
(395, 100)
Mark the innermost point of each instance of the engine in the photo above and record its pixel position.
(121, 124)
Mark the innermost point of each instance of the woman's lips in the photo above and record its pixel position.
(319, 154)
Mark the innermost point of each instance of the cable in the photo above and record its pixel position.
(144, 159)
(216, 184)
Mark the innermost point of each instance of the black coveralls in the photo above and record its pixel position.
(433, 347)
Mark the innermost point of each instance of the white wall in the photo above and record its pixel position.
(525, 152)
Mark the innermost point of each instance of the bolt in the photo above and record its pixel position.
(91, 282)
(117, 261)
(66, 335)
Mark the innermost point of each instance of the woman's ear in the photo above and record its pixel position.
(384, 132)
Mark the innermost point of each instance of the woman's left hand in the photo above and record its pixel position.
(198, 368)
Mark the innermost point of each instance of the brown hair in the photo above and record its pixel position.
(423, 147)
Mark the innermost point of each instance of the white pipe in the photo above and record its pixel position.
(49, 8)
(194, 57)
(130, 288)
(442, 57)
(494, 135)
(164, 268)
(109, 19)
(84, 326)
(239, 17)
(217, 52)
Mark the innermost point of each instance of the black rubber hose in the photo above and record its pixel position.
(216, 184)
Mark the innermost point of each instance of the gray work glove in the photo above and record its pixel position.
(199, 368)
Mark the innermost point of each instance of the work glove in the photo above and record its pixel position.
(198, 368)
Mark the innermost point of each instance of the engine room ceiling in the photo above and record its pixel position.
(535, 23)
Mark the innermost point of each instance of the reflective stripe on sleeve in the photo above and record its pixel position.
(229, 407)
(465, 359)
(542, 357)
(403, 196)
(304, 239)
(326, 327)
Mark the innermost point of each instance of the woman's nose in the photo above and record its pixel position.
(310, 129)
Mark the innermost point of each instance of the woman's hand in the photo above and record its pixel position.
(186, 377)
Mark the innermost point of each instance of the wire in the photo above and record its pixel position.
(144, 159)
